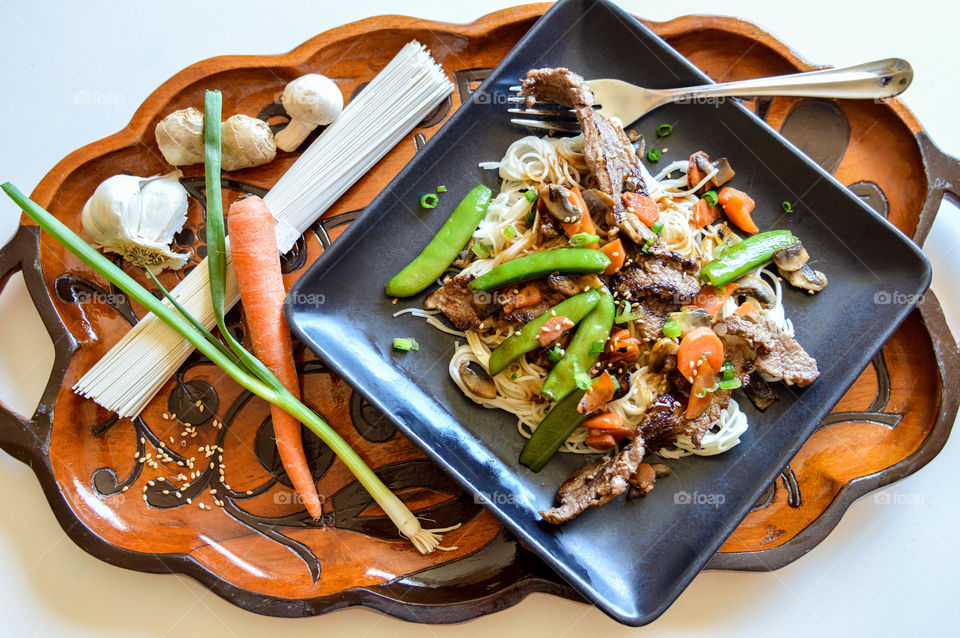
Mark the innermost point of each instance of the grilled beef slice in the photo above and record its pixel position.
(778, 354)
(596, 484)
(464, 309)
(666, 275)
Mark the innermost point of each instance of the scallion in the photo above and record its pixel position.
(429, 200)
(596, 347)
(401, 343)
(480, 249)
(787, 207)
(554, 354)
(510, 232)
(580, 240)
(653, 155)
(664, 130)
(582, 380)
(441, 189)
(671, 329)
(729, 384)
(531, 195)
(711, 198)
(726, 371)
(657, 227)
(648, 245)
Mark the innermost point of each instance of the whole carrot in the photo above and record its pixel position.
(256, 262)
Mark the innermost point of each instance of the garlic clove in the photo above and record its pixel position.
(138, 218)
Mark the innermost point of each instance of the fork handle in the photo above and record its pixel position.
(872, 80)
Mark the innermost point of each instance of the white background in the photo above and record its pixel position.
(886, 569)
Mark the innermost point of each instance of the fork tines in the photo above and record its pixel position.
(550, 117)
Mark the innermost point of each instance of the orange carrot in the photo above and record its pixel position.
(738, 206)
(614, 250)
(256, 261)
(608, 423)
(699, 347)
(696, 405)
(704, 213)
(553, 328)
(585, 225)
(747, 308)
(712, 299)
(643, 207)
(600, 441)
(600, 393)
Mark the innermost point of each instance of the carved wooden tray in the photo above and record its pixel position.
(259, 550)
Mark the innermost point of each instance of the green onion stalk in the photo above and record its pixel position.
(236, 361)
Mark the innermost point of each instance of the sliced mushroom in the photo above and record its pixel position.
(806, 278)
(692, 318)
(598, 203)
(477, 380)
(556, 199)
(564, 284)
(636, 230)
(703, 162)
(757, 288)
(791, 258)
(632, 184)
(465, 257)
(756, 387)
(724, 172)
(662, 349)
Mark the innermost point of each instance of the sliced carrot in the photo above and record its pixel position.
(585, 225)
(738, 206)
(614, 251)
(553, 328)
(528, 295)
(698, 347)
(622, 347)
(694, 174)
(712, 299)
(705, 379)
(602, 441)
(747, 308)
(704, 213)
(605, 421)
(643, 207)
(598, 395)
(256, 261)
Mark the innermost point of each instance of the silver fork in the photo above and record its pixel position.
(629, 102)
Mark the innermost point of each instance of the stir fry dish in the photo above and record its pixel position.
(611, 310)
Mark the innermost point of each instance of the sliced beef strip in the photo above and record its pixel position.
(464, 309)
(656, 312)
(609, 155)
(596, 484)
(662, 422)
(696, 428)
(669, 276)
(778, 354)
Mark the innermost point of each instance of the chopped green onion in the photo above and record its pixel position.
(429, 200)
(648, 245)
(664, 130)
(554, 354)
(583, 239)
(583, 380)
(729, 384)
(513, 377)
(671, 329)
(441, 189)
(726, 371)
(653, 155)
(711, 198)
(480, 250)
(616, 384)
(596, 347)
(787, 207)
(657, 227)
(399, 343)
(510, 232)
(530, 218)
(702, 392)
(531, 195)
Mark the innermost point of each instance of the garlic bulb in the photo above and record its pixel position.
(311, 100)
(137, 217)
(180, 137)
(246, 141)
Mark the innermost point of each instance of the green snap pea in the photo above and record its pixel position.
(561, 260)
(527, 338)
(594, 327)
(556, 427)
(444, 247)
(735, 261)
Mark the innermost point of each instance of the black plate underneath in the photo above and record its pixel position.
(630, 559)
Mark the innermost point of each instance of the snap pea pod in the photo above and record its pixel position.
(553, 430)
(527, 338)
(561, 260)
(737, 260)
(594, 328)
(444, 247)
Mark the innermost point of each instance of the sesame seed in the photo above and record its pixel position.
(249, 492)
(125, 488)
(166, 417)
(198, 403)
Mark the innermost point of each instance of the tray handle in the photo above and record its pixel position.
(24, 438)
(943, 179)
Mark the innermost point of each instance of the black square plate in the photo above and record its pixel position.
(631, 559)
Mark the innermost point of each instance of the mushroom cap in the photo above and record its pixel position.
(313, 98)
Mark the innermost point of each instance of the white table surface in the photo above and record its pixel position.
(75, 72)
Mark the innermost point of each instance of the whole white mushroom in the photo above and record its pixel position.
(311, 100)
